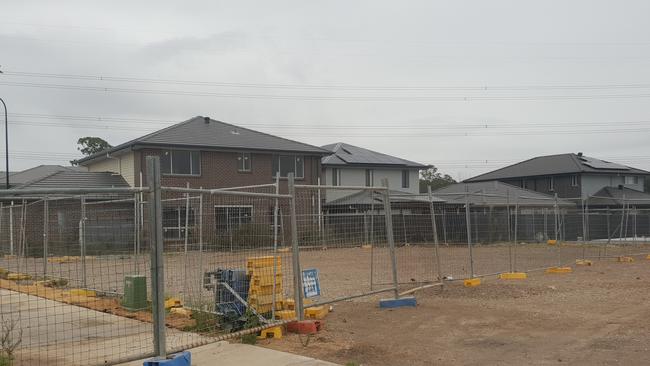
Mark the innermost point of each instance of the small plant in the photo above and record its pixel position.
(10, 339)
(250, 321)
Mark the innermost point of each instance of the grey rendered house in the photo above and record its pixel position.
(351, 165)
(571, 176)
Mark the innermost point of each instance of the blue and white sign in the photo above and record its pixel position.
(310, 283)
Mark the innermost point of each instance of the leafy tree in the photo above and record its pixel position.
(91, 145)
(431, 177)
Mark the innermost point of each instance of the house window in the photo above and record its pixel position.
(286, 164)
(180, 162)
(336, 177)
(244, 162)
(405, 179)
(574, 181)
(631, 179)
(229, 218)
(370, 178)
(551, 183)
(174, 222)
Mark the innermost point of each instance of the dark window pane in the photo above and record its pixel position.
(181, 162)
(335, 177)
(287, 165)
(196, 162)
(276, 165)
(244, 162)
(405, 178)
(165, 162)
(300, 167)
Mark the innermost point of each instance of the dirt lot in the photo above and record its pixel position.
(597, 315)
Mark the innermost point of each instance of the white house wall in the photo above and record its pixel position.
(122, 164)
(357, 177)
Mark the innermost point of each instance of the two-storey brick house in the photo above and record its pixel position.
(205, 153)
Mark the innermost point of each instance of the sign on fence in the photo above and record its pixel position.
(310, 283)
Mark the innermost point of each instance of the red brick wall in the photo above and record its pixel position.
(219, 170)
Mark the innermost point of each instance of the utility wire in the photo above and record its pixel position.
(456, 98)
(330, 86)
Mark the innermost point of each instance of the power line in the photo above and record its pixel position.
(329, 86)
(457, 98)
(353, 125)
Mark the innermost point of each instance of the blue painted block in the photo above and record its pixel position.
(178, 359)
(397, 303)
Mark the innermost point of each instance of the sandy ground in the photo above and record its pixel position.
(594, 316)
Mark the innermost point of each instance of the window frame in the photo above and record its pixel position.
(278, 158)
(336, 177)
(406, 183)
(241, 162)
(180, 226)
(551, 184)
(171, 163)
(370, 177)
(633, 178)
(229, 227)
(574, 180)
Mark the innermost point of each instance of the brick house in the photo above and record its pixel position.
(205, 153)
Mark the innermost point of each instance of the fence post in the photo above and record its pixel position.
(157, 265)
(136, 233)
(514, 254)
(389, 234)
(275, 241)
(186, 239)
(372, 238)
(11, 229)
(297, 273)
(468, 226)
(557, 242)
(82, 241)
(435, 232)
(46, 233)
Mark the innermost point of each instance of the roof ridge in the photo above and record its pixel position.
(266, 134)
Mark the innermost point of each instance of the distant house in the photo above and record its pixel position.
(572, 176)
(495, 194)
(37, 173)
(351, 165)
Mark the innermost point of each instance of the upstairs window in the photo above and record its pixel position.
(180, 162)
(286, 164)
(244, 162)
(551, 184)
(336, 177)
(405, 179)
(370, 178)
(574, 181)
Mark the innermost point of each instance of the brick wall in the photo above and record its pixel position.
(219, 170)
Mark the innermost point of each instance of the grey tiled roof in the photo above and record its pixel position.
(556, 164)
(346, 154)
(37, 172)
(196, 133)
(495, 193)
(77, 179)
(366, 198)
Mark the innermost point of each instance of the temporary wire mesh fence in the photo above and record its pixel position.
(78, 271)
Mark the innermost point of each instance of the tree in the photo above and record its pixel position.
(431, 177)
(91, 145)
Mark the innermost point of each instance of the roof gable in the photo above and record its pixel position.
(346, 154)
(555, 165)
(203, 132)
(495, 193)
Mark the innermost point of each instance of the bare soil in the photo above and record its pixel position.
(597, 315)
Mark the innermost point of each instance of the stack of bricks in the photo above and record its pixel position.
(260, 291)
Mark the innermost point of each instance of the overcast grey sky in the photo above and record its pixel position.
(468, 86)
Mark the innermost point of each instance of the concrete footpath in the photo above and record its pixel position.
(231, 354)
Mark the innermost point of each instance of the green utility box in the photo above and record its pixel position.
(135, 293)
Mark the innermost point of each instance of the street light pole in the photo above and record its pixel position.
(6, 145)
